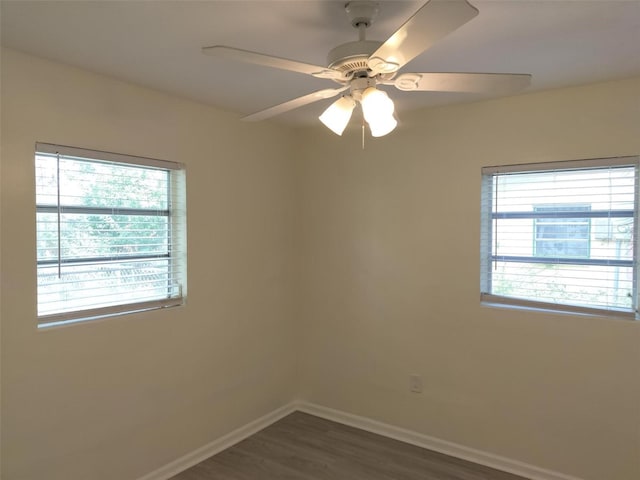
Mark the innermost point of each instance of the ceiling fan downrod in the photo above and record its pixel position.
(361, 15)
(352, 57)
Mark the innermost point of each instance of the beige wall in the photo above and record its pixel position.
(386, 246)
(116, 399)
(390, 271)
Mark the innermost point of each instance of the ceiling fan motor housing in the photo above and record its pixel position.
(352, 56)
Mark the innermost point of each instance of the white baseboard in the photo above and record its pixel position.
(414, 438)
(218, 445)
(425, 441)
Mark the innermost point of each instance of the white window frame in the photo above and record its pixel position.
(176, 214)
(488, 240)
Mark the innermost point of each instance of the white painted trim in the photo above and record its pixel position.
(218, 445)
(425, 441)
(408, 436)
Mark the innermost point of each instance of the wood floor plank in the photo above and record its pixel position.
(305, 447)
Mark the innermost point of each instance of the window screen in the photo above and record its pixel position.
(561, 235)
(110, 233)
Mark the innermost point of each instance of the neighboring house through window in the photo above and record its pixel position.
(561, 235)
(560, 232)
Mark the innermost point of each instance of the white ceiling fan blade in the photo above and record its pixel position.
(270, 61)
(434, 20)
(496, 83)
(295, 103)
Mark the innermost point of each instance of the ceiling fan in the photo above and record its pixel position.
(360, 66)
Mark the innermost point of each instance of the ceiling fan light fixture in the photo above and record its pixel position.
(378, 109)
(337, 116)
(382, 126)
(376, 105)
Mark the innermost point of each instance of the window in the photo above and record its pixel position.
(561, 235)
(110, 233)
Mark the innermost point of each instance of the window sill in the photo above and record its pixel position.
(68, 322)
(494, 301)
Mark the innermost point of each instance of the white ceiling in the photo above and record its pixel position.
(157, 44)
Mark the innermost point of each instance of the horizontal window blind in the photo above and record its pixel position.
(110, 233)
(561, 234)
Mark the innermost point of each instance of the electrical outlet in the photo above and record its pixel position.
(415, 383)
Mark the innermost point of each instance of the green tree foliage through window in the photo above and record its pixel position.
(105, 233)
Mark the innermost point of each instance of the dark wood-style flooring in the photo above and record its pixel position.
(305, 447)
